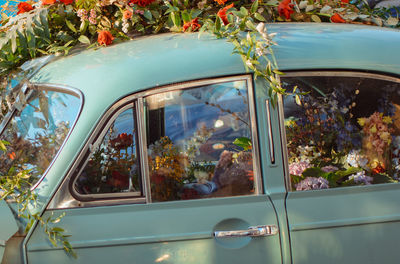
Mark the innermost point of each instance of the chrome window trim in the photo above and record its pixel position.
(315, 73)
(63, 199)
(93, 146)
(143, 150)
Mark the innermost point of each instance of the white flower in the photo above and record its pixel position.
(261, 28)
(249, 64)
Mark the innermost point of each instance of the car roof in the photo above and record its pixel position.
(107, 74)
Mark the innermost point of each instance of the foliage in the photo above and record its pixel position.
(59, 28)
(16, 186)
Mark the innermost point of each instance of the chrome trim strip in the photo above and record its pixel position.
(63, 199)
(270, 135)
(285, 153)
(143, 149)
(258, 187)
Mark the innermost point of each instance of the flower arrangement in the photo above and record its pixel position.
(330, 147)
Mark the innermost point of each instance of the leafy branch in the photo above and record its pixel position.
(15, 187)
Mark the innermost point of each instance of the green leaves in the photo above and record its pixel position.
(243, 142)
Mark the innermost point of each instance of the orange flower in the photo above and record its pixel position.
(336, 18)
(380, 168)
(142, 3)
(67, 2)
(24, 7)
(12, 155)
(105, 38)
(222, 14)
(221, 2)
(48, 2)
(127, 14)
(285, 8)
(193, 25)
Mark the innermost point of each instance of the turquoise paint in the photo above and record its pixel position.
(107, 74)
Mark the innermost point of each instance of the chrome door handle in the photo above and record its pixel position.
(253, 231)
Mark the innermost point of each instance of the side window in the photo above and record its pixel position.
(36, 133)
(113, 166)
(199, 142)
(342, 131)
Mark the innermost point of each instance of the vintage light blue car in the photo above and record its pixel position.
(165, 150)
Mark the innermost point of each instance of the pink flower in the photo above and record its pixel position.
(298, 168)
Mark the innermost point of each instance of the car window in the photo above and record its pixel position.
(342, 131)
(199, 142)
(113, 165)
(37, 131)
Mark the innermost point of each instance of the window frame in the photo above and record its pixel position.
(65, 197)
(97, 141)
(318, 73)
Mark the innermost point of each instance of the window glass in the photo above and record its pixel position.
(199, 142)
(113, 166)
(342, 131)
(35, 134)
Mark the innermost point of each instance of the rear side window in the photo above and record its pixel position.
(342, 131)
(199, 142)
(36, 132)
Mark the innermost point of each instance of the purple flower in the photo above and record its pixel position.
(312, 183)
(329, 168)
(297, 168)
(361, 178)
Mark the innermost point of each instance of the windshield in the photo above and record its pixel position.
(36, 132)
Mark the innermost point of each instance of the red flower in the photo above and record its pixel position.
(142, 3)
(105, 38)
(222, 14)
(336, 18)
(67, 2)
(194, 25)
(119, 180)
(122, 141)
(48, 2)
(24, 7)
(285, 8)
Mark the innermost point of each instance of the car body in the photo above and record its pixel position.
(158, 82)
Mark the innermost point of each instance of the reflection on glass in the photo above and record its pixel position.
(199, 142)
(35, 134)
(343, 131)
(113, 166)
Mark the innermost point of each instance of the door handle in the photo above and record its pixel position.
(252, 231)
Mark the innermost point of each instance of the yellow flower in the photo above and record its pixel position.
(387, 120)
(373, 129)
(369, 145)
(361, 121)
(385, 136)
(290, 123)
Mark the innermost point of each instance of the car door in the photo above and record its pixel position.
(171, 175)
(342, 140)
